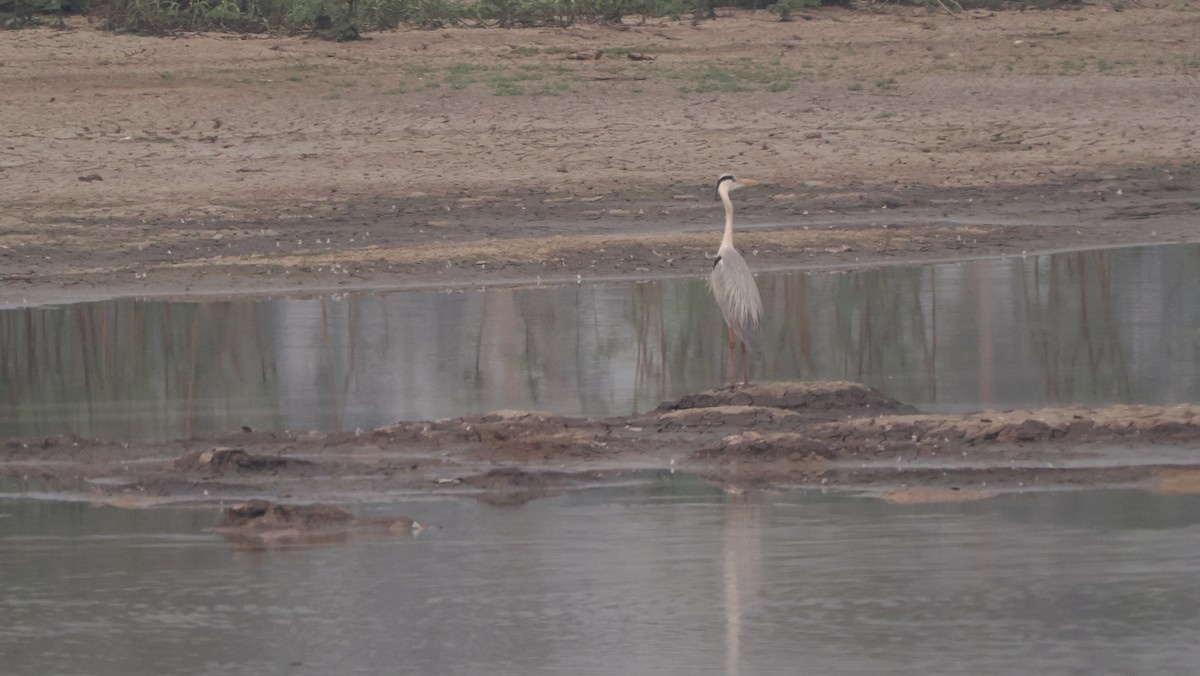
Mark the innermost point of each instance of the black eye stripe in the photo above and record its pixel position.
(725, 177)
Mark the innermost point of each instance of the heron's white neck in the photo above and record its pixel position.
(727, 241)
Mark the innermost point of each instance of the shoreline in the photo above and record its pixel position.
(766, 436)
(610, 248)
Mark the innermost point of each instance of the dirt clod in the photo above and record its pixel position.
(812, 399)
(220, 460)
(265, 515)
(265, 523)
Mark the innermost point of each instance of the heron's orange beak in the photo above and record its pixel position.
(747, 181)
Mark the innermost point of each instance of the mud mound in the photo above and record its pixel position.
(510, 486)
(1178, 482)
(510, 434)
(739, 416)
(913, 436)
(828, 434)
(508, 478)
(1145, 424)
(261, 522)
(788, 446)
(58, 448)
(263, 514)
(220, 460)
(822, 399)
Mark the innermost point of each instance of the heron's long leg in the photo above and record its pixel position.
(745, 367)
(733, 358)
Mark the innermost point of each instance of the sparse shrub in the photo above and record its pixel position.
(428, 13)
(784, 8)
(330, 19)
(344, 19)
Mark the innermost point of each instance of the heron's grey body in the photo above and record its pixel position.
(734, 287)
(736, 292)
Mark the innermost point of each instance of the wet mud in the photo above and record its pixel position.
(831, 435)
(261, 523)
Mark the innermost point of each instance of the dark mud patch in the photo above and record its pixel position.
(63, 448)
(1068, 429)
(757, 447)
(511, 486)
(517, 435)
(824, 399)
(768, 434)
(221, 460)
(261, 523)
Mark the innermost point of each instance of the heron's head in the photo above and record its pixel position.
(729, 182)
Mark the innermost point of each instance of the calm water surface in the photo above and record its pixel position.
(667, 576)
(1091, 327)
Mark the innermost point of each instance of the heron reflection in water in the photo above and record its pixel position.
(741, 548)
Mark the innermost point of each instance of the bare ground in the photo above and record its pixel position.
(223, 164)
(217, 164)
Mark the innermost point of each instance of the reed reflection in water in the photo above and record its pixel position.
(1092, 327)
(666, 575)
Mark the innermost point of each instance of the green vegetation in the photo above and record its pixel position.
(552, 89)
(344, 19)
(503, 80)
(1104, 65)
(742, 76)
(507, 87)
(784, 8)
(461, 75)
(507, 84)
(1071, 67)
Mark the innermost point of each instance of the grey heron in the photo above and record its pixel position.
(733, 286)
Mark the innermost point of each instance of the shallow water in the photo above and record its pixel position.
(665, 576)
(1095, 327)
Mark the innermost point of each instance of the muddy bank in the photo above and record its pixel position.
(261, 524)
(548, 238)
(768, 435)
